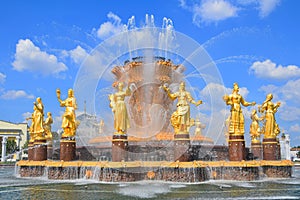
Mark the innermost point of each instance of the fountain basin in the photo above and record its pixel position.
(190, 172)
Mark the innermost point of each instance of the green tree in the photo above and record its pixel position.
(25, 147)
(11, 146)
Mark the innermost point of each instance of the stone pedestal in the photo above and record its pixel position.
(236, 145)
(49, 150)
(182, 147)
(67, 149)
(256, 150)
(270, 149)
(278, 151)
(119, 148)
(30, 151)
(40, 150)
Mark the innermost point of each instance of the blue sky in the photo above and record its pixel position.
(255, 43)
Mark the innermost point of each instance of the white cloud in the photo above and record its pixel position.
(288, 94)
(289, 113)
(29, 57)
(2, 78)
(207, 11)
(270, 70)
(267, 6)
(25, 116)
(16, 94)
(213, 11)
(291, 91)
(295, 128)
(78, 54)
(111, 27)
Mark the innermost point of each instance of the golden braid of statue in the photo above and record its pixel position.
(271, 128)
(69, 122)
(117, 103)
(180, 119)
(255, 130)
(236, 120)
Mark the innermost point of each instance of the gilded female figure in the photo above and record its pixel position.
(236, 123)
(180, 119)
(254, 127)
(69, 123)
(271, 129)
(47, 126)
(117, 103)
(38, 118)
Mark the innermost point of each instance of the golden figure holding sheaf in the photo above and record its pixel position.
(255, 130)
(180, 119)
(69, 122)
(237, 121)
(271, 128)
(117, 103)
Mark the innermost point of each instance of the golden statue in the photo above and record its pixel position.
(236, 124)
(271, 129)
(199, 126)
(117, 103)
(255, 130)
(69, 122)
(101, 126)
(38, 128)
(31, 128)
(47, 126)
(180, 119)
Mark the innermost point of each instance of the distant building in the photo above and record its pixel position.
(11, 131)
(294, 152)
(285, 147)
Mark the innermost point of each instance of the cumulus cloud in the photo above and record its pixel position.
(111, 27)
(29, 57)
(78, 54)
(295, 128)
(270, 70)
(2, 78)
(288, 94)
(213, 11)
(264, 7)
(291, 91)
(16, 94)
(289, 113)
(25, 116)
(207, 11)
(267, 6)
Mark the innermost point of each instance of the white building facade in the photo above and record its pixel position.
(11, 131)
(285, 147)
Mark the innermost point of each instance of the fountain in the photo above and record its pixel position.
(149, 137)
